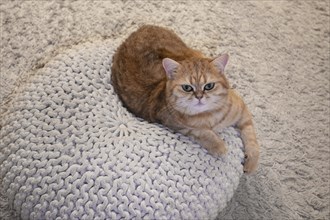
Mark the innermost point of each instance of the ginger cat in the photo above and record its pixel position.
(160, 79)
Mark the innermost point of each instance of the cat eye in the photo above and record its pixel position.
(187, 88)
(209, 86)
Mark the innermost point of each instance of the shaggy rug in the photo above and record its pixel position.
(279, 62)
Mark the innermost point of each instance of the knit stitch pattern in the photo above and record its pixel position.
(70, 150)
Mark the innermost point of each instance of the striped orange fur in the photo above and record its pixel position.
(160, 79)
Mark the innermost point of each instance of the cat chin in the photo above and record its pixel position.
(195, 109)
(200, 109)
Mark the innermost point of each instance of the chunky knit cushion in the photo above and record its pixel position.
(69, 150)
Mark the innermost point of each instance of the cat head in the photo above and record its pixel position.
(196, 85)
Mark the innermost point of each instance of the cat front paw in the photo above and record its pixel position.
(218, 151)
(218, 148)
(251, 161)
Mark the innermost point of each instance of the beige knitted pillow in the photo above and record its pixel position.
(69, 150)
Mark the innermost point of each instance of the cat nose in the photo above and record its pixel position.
(199, 95)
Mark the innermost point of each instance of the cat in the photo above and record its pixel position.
(160, 79)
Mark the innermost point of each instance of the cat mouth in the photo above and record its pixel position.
(200, 104)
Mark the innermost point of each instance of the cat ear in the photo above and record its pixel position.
(170, 66)
(220, 62)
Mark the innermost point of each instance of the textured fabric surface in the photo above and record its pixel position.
(279, 61)
(70, 150)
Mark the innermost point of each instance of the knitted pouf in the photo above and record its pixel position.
(69, 150)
